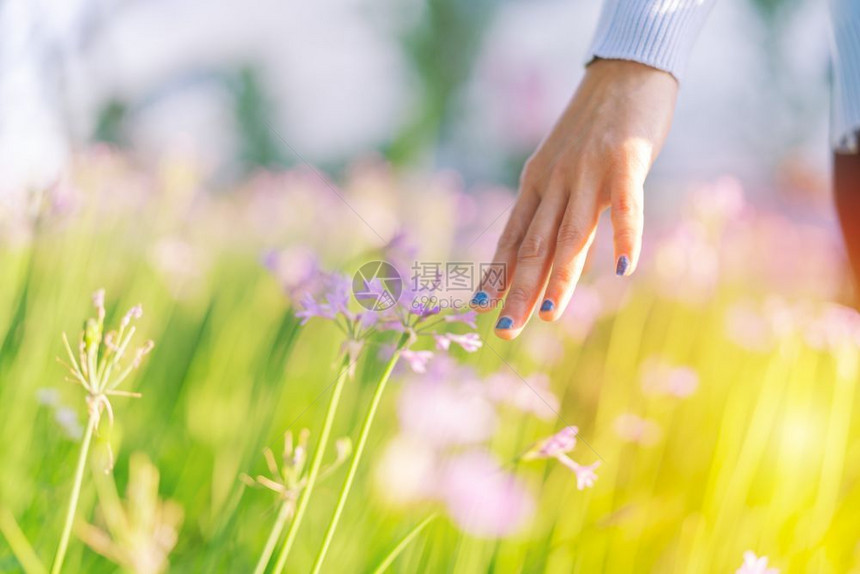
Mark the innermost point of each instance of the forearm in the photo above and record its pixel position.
(658, 33)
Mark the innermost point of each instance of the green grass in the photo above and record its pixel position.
(763, 456)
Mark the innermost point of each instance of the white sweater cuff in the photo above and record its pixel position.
(658, 33)
(845, 123)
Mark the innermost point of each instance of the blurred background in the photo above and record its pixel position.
(161, 150)
(431, 84)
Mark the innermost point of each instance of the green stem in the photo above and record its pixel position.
(395, 552)
(359, 450)
(274, 536)
(76, 494)
(342, 376)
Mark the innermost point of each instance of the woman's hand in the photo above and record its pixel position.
(597, 156)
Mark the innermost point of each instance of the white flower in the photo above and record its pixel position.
(755, 565)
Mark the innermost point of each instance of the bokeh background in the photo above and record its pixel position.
(470, 86)
(202, 158)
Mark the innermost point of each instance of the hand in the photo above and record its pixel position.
(597, 156)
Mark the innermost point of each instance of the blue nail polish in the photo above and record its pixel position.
(480, 299)
(622, 265)
(505, 323)
(547, 305)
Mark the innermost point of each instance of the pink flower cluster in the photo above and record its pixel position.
(762, 327)
(447, 417)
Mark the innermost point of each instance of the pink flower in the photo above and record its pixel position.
(445, 413)
(407, 471)
(761, 326)
(443, 343)
(531, 395)
(717, 203)
(633, 428)
(470, 342)
(661, 377)
(417, 360)
(687, 264)
(557, 446)
(834, 327)
(482, 498)
(582, 312)
(180, 263)
(134, 313)
(561, 442)
(467, 318)
(755, 565)
(99, 299)
(585, 475)
(545, 347)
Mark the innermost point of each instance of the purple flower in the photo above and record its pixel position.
(422, 306)
(400, 251)
(327, 296)
(296, 269)
(329, 300)
(481, 498)
(373, 295)
(414, 314)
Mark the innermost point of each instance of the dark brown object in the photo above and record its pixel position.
(846, 179)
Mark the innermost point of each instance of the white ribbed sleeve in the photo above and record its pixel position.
(845, 109)
(659, 33)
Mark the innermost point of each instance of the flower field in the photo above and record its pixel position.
(695, 417)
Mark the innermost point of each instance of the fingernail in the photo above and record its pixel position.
(547, 305)
(505, 323)
(480, 299)
(622, 265)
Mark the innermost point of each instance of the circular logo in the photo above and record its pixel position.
(377, 285)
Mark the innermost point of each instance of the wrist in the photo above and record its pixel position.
(617, 68)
